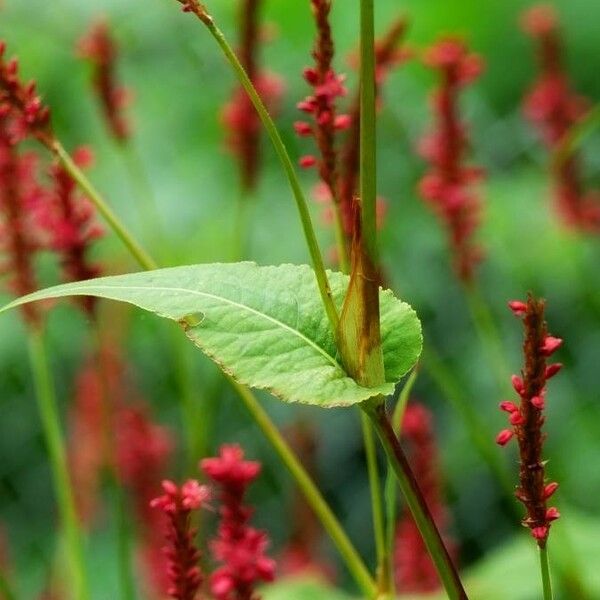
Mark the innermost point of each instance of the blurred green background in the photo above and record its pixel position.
(180, 82)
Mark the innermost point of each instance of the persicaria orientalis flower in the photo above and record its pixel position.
(177, 503)
(448, 186)
(554, 108)
(99, 48)
(526, 419)
(239, 548)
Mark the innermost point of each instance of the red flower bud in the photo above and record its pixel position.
(302, 128)
(342, 122)
(508, 406)
(538, 402)
(551, 344)
(553, 369)
(311, 76)
(517, 384)
(516, 418)
(550, 489)
(504, 437)
(540, 533)
(552, 514)
(307, 161)
(519, 308)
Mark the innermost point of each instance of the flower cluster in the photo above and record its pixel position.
(21, 105)
(177, 503)
(239, 116)
(99, 48)
(414, 570)
(527, 418)
(327, 86)
(239, 547)
(448, 184)
(554, 108)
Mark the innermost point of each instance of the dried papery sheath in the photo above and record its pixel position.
(526, 419)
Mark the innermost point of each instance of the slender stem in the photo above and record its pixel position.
(136, 250)
(340, 239)
(312, 494)
(416, 503)
(286, 161)
(488, 334)
(58, 461)
(368, 130)
(383, 563)
(6, 591)
(403, 399)
(576, 136)
(545, 570)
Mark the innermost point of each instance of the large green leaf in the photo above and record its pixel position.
(263, 325)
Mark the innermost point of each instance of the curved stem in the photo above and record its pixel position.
(284, 157)
(136, 250)
(58, 461)
(312, 494)
(545, 571)
(416, 503)
(383, 563)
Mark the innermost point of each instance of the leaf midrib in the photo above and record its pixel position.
(331, 359)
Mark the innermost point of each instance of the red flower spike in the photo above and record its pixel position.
(504, 437)
(519, 308)
(239, 548)
(182, 555)
(508, 406)
(414, 570)
(551, 345)
(553, 369)
(239, 117)
(550, 489)
(448, 186)
(555, 109)
(529, 420)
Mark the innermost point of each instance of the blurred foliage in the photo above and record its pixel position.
(180, 82)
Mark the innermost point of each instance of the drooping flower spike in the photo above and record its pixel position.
(98, 46)
(526, 418)
(448, 185)
(554, 108)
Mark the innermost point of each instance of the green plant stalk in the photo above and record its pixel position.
(488, 335)
(545, 571)
(312, 494)
(284, 157)
(416, 503)
(383, 563)
(58, 462)
(6, 591)
(136, 250)
(576, 136)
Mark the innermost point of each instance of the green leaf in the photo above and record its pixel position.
(263, 325)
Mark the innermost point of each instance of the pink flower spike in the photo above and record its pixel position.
(519, 308)
(306, 162)
(552, 514)
(551, 345)
(553, 369)
(508, 406)
(540, 533)
(517, 384)
(538, 402)
(550, 489)
(504, 437)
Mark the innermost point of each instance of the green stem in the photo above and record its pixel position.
(576, 136)
(416, 503)
(383, 563)
(286, 161)
(488, 335)
(312, 494)
(545, 570)
(58, 462)
(368, 130)
(136, 250)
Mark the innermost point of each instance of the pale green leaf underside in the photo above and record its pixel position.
(263, 325)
